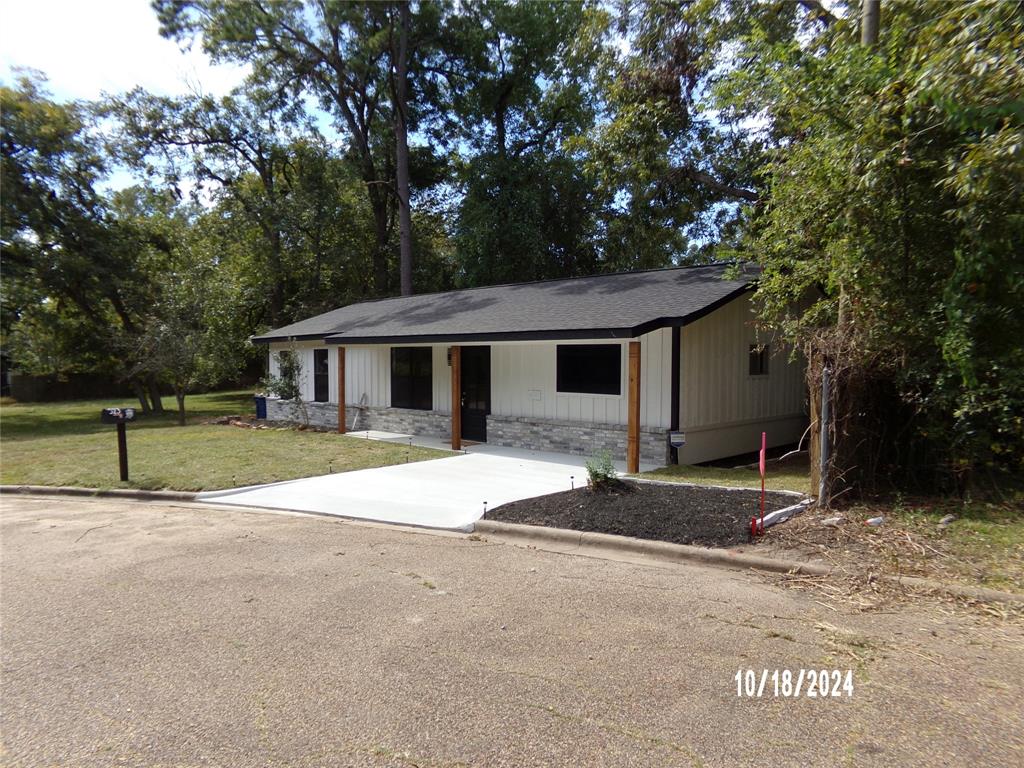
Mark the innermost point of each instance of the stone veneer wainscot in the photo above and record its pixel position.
(571, 437)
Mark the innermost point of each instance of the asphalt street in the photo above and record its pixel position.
(156, 634)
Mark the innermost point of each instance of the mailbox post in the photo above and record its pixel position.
(120, 417)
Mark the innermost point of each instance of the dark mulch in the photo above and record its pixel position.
(676, 513)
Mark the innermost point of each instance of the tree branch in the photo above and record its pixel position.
(817, 11)
(709, 181)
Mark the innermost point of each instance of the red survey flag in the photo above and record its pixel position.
(764, 442)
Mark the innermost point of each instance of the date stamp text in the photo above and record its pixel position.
(794, 683)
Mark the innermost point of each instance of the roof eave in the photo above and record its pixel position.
(531, 335)
(267, 339)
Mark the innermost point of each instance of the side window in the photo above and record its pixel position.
(758, 361)
(321, 379)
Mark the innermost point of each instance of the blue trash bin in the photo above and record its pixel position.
(261, 406)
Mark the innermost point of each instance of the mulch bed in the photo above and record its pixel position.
(676, 513)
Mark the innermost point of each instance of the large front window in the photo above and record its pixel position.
(411, 378)
(590, 369)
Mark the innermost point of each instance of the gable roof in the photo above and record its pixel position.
(620, 305)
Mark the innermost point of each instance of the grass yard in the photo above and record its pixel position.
(65, 444)
(793, 474)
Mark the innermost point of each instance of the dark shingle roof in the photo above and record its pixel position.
(621, 305)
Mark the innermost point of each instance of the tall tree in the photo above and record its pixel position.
(400, 106)
(677, 172)
(890, 230)
(62, 246)
(346, 54)
(229, 143)
(516, 77)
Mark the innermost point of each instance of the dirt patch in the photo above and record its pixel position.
(983, 545)
(679, 514)
(251, 422)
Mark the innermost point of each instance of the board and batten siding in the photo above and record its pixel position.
(723, 409)
(367, 371)
(523, 383)
(523, 380)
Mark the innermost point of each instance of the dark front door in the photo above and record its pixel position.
(476, 392)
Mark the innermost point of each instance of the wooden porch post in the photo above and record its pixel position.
(633, 428)
(341, 390)
(456, 356)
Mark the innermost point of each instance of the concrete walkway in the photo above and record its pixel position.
(443, 493)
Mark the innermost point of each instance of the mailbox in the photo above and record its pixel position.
(120, 417)
(117, 415)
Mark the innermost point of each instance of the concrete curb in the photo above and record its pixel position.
(114, 493)
(660, 550)
(566, 541)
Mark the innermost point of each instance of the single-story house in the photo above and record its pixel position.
(612, 362)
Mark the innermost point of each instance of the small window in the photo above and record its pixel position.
(321, 380)
(412, 378)
(590, 369)
(758, 360)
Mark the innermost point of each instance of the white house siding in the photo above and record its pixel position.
(367, 372)
(305, 352)
(523, 383)
(522, 380)
(723, 409)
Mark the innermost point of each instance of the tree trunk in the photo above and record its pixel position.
(277, 289)
(499, 127)
(179, 394)
(154, 394)
(140, 394)
(869, 21)
(402, 150)
(380, 251)
(814, 444)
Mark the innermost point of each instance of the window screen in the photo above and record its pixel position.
(321, 381)
(758, 360)
(411, 378)
(592, 369)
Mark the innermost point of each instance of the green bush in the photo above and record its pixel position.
(600, 470)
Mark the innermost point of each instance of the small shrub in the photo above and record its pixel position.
(287, 385)
(601, 472)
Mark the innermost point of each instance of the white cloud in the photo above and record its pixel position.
(86, 47)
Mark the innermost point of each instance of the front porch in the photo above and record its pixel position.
(470, 416)
(530, 435)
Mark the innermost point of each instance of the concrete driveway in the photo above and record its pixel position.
(446, 493)
(152, 634)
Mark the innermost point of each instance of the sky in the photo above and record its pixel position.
(87, 47)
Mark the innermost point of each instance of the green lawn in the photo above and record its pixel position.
(789, 475)
(65, 444)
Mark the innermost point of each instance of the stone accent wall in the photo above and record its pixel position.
(574, 437)
(325, 415)
(407, 421)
